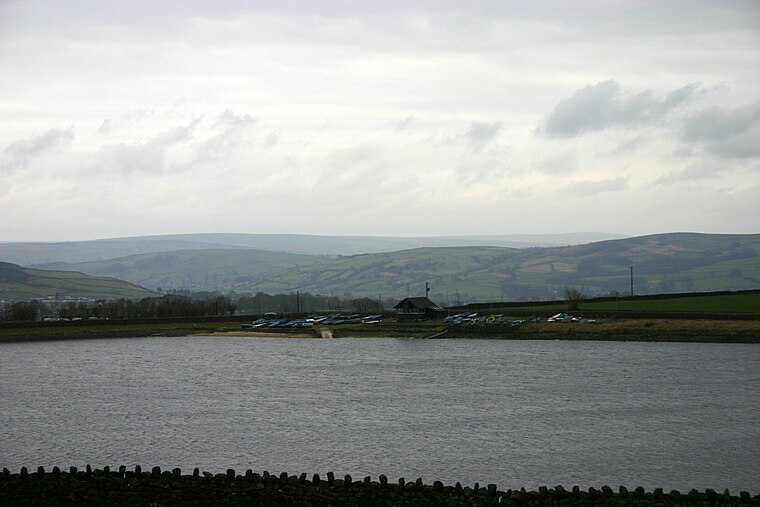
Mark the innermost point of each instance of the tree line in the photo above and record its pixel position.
(305, 302)
(187, 304)
(170, 305)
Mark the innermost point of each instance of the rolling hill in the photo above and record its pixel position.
(662, 263)
(43, 255)
(198, 269)
(677, 262)
(18, 283)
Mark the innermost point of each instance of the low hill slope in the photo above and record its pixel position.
(675, 262)
(209, 269)
(18, 283)
(662, 263)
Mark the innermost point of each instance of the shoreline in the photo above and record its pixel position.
(164, 487)
(257, 334)
(347, 334)
(644, 330)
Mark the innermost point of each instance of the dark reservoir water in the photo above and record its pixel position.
(513, 413)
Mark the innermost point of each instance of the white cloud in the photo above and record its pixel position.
(109, 126)
(334, 117)
(147, 155)
(556, 164)
(483, 172)
(18, 154)
(229, 119)
(591, 188)
(694, 172)
(230, 131)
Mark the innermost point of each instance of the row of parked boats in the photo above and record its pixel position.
(475, 319)
(566, 317)
(336, 319)
(333, 319)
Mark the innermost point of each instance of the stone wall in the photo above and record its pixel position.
(108, 487)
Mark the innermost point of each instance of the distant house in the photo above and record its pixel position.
(418, 309)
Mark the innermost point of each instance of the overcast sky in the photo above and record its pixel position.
(378, 118)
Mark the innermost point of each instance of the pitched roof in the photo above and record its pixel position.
(420, 302)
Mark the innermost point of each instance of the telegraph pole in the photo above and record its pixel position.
(631, 280)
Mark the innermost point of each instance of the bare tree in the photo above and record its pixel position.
(573, 296)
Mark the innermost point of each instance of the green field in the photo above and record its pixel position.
(746, 302)
(723, 303)
(17, 283)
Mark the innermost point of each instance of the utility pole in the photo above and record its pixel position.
(631, 280)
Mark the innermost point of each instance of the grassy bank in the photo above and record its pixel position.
(681, 330)
(747, 302)
(688, 330)
(696, 330)
(75, 331)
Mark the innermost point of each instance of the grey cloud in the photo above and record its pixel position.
(631, 144)
(556, 164)
(19, 153)
(728, 133)
(149, 155)
(405, 122)
(109, 126)
(348, 157)
(229, 119)
(589, 187)
(489, 171)
(694, 172)
(743, 145)
(600, 106)
(232, 128)
(679, 96)
(481, 133)
(41, 143)
(106, 127)
(272, 139)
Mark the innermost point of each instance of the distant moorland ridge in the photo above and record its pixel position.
(662, 263)
(37, 254)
